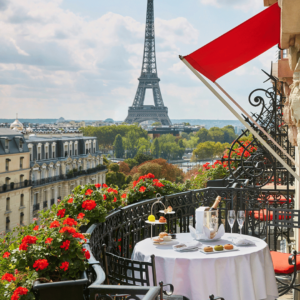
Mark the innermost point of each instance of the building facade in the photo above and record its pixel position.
(15, 184)
(58, 165)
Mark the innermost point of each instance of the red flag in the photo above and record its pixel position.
(239, 45)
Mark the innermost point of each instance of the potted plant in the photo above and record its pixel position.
(44, 261)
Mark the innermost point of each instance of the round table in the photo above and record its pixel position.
(237, 275)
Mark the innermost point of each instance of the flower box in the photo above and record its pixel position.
(62, 290)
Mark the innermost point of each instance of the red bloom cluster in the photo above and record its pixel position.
(8, 277)
(36, 227)
(80, 216)
(70, 200)
(65, 245)
(104, 185)
(48, 240)
(115, 199)
(144, 177)
(61, 213)
(124, 196)
(28, 239)
(97, 185)
(89, 204)
(70, 222)
(206, 166)
(40, 264)
(86, 253)
(6, 255)
(157, 183)
(104, 197)
(89, 192)
(64, 266)
(18, 292)
(110, 190)
(54, 224)
(142, 189)
(78, 235)
(68, 229)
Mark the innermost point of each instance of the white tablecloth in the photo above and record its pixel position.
(247, 274)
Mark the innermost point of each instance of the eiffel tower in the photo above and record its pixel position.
(139, 112)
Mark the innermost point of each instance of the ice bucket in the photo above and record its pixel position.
(210, 220)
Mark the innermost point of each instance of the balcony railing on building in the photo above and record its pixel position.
(36, 207)
(15, 185)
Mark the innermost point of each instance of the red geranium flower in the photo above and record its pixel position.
(40, 264)
(97, 185)
(64, 266)
(6, 255)
(70, 200)
(8, 277)
(142, 189)
(78, 235)
(19, 291)
(134, 183)
(150, 175)
(48, 240)
(68, 229)
(54, 224)
(104, 197)
(89, 192)
(123, 196)
(104, 185)
(70, 222)
(23, 246)
(80, 216)
(36, 227)
(158, 184)
(61, 212)
(65, 245)
(89, 204)
(115, 199)
(86, 253)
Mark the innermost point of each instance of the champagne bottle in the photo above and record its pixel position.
(216, 204)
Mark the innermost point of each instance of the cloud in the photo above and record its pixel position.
(244, 5)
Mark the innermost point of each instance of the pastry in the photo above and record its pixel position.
(162, 234)
(170, 208)
(162, 220)
(228, 247)
(158, 240)
(219, 248)
(151, 218)
(165, 211)
(208, 249)
(167, 238)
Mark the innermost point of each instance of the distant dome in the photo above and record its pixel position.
(60, 120)
(109, 121)
(16, 125)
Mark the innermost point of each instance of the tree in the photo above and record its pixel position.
(124, 167)
(155, 148)
(140, 158)
(180, 143)
(184, 135)
(215, 134)
(114, 167)
(131, 162)
(143, 145)
(202, 135)
(118, 146)
(131, 140)
(156, 124)
(186, 124)
(152, 168)
(205, 150)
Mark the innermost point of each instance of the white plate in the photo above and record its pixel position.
(207, 240)
(172, 212)
(214, 252)
(172, 242)
(155, 223)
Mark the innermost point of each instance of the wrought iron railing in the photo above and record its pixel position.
(36, 207)
(126, 226)
(15, 185)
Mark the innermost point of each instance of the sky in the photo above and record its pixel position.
(80, 59)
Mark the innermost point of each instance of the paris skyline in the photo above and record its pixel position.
(82, 60)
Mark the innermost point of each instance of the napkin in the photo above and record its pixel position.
(243, 242)
(194, 233)
(218, 235)
(186, 246)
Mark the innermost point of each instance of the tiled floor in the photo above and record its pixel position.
(288, 296)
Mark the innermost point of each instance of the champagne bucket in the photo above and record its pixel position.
(210, 221)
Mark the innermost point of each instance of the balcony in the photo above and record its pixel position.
(36, 207)
(52, 202)
(14, 186)
(45, 204)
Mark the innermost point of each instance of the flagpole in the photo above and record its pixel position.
(261, 129)
(240, 118)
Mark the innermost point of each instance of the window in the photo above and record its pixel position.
(21, 144)
(6, 145)
(35, 198)
(21, 178)
(75, 151)
(7, 223)
(7, 179)
(70, 152)
(22, 218)
(39, 156)
(21, 162)
(22, 200)
(46, 152)
(53, 151)
(7, 204)
(39, 153)
(46, 155)
(7, 164)
(66, 150)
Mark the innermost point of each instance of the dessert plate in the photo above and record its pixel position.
(171, 212)
(214, 251)
(172, 242)
(208, 240)
(155, 222)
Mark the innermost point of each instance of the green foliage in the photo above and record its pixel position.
(106, 134)
(131, 162)
(118, 146)
(169, 148)
(143, 145)
(208, 150)
(105, 161)
(186, 124)
(155, 148)
(150, 167)
(114, 167)
(140, 158)
(130, 141)
(216, 134)
(156, 124)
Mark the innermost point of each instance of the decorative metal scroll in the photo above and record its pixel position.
(250, 163)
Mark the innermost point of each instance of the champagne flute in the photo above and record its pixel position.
(231, 219)
(241, 219)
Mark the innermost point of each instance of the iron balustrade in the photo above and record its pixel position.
(124, 227)
(45, 204)
(52, 202)
(36, 207)
(15, 185)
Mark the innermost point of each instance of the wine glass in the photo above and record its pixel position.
(231, 219)
(241, 219)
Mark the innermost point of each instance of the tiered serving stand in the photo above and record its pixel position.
(156, 222)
